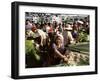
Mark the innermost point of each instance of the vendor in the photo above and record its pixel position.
(58, 51)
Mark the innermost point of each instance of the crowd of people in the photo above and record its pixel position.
(53, 38)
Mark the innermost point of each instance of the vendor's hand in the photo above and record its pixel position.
(65, 59)
(63, 56)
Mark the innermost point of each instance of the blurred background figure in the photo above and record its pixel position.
(39, 35)
(28, 25)
(75, 31)
(68, 38)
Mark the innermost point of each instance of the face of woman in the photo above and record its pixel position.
(58, 41)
